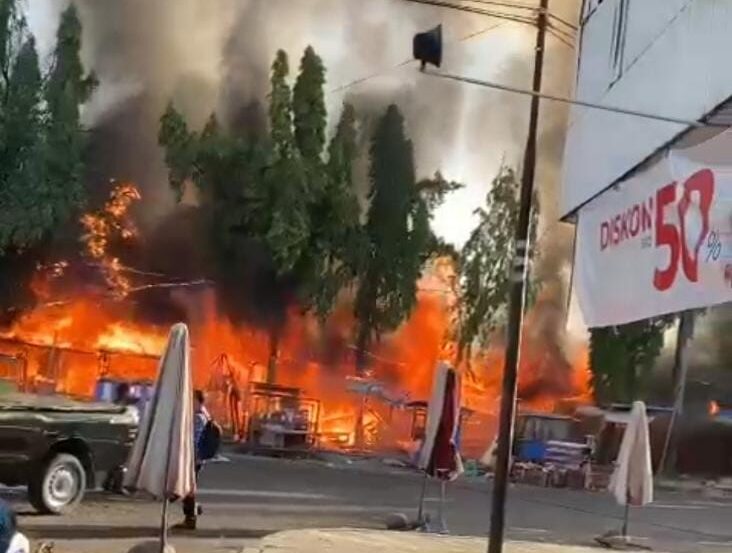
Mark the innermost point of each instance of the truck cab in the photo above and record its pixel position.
(58, 448)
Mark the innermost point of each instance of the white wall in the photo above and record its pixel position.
(675, 61)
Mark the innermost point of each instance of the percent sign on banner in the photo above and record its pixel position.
(714, 246)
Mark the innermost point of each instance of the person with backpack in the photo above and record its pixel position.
(206, 440)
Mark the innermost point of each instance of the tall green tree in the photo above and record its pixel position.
(22, 221)
(308, 107)
(622, 358)
(41, 144)
(67, 88)
(309, 119)
(280, 191)
(486, 262)
(336, 237)
(396, 236)
(181, 149)
(288, 228)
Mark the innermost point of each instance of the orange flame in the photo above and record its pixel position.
(67, 346)
(714, 408)
(111, 222)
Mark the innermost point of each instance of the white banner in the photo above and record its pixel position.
(661, 241)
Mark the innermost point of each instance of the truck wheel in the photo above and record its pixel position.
(59, 486)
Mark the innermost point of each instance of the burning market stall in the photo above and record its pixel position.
(44, 369)
(280, 417)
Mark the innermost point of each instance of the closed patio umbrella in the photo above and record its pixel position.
(632, 479)
(162, 458)
(439, 457)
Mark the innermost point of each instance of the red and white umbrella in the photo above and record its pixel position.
(439, 456)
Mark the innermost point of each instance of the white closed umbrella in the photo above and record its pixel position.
(162, 458)
(632, 480)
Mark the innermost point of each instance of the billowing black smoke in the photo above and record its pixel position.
(215, 56)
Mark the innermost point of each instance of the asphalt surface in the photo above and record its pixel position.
(248, 497)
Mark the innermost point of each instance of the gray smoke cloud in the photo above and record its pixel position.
(216, 55)
(210, 56)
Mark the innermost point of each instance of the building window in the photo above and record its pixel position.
(620, 31)
(589, 8)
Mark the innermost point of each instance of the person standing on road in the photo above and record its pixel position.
(201, 419)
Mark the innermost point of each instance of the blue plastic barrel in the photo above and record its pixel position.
(104, 390)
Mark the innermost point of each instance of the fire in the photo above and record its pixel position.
(128, 338)
(714, 408)
(110, 223)
(66, 346)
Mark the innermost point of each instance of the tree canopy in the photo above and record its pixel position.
(308, 107)
(292, 193)
(486, 261)
(41, 141)
(397, 235)
(622, 358)
(67, 88)
(285, 183)
(281, 192)
(336, 237)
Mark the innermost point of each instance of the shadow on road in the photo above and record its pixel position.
(81, 532)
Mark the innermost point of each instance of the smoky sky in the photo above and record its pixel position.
(215, 57)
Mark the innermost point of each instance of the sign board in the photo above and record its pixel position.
(661, 241)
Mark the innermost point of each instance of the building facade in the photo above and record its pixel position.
(666, 57)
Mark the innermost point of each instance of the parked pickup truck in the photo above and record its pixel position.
(59, 448)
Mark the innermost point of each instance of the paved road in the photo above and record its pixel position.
(251, 496)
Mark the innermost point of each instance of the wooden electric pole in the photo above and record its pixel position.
(685, 333)
(516, 302)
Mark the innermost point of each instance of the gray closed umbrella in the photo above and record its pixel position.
(162, 458)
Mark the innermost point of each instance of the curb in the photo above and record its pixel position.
(712, 489)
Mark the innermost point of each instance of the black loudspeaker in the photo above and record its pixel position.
(427, 47)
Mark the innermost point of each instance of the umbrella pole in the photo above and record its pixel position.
(443, 526)
(164, 527)
(626, 513)
(420, 511)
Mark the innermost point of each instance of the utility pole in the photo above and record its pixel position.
(681, 366)
(516, 302)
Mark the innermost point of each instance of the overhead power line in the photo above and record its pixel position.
(410, 60)
(566, 37)
(504, 4)
(563, 21)
(479, 11)
(564, 100)
(561, 36)
(527, 7)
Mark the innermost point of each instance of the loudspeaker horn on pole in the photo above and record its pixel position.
(427, 47)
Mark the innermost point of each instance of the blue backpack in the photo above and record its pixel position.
(210, 440)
